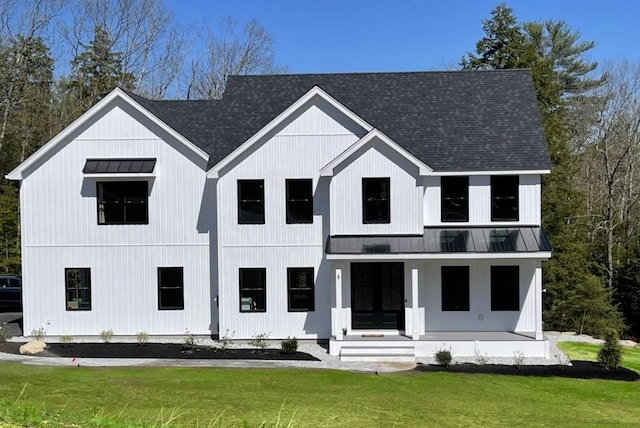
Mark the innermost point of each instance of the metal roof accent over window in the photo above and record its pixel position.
(444, 240)
(119, 166)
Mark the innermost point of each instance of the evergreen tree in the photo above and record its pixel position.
(576, 297)
(95, 72)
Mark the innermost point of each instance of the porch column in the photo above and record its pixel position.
(538, 294)
(338, 310)
(415, 321)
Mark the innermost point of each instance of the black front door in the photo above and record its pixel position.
(377, 296)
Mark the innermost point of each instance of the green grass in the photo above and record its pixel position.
(206, 397)
(589, 352)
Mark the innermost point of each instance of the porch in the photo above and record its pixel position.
(400, 348)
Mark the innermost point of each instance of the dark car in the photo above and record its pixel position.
(11, 292)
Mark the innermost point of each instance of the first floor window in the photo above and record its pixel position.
(170, 288)
(253, 290)
(123, 202)
(299, 201)
(455, 288)
(78, 288)
(455, 198)
(376, 206)
(504, 198)
(300, 289)
(250, 201)
(505, 288)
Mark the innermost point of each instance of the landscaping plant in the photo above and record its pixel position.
(610, 354)
(289, 346)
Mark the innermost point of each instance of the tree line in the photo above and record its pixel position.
(59, 57)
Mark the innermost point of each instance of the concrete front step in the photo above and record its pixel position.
(378, 353)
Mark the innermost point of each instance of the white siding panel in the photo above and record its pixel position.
(479, 200)
(276, 322)
(479, 317)
(124, 296)
(406, 192)
(530, 199)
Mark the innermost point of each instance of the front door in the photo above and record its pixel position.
(377, 296)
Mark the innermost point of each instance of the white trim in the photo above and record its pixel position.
(510, 172)
(117, 93)
(316, 91)
(537, 255)
(327, 170)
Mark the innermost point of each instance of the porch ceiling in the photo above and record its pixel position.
(437, 241)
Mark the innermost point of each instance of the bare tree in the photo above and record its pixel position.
(142, 31)
(229, 52)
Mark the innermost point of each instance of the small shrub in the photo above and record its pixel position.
(481, 360)
(518, 358)
(106, 335)
(38, 334)
(4, 332)
(189, 341)
(226, 340)
(444, 357)
(66, 340)
(142, 338)
(289, 346)
(259, 341)
(610, 354)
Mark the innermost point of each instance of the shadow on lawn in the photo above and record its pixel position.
(578, 370)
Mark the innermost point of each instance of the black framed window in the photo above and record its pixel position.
(455, 288)
(504, 198)
(376, 200)
(251, 201)
(455, 198)
(505, 288)
(123, 202)
(170, 288)
(253, 290)
(77, 283)
(300, 293)
(299, 201)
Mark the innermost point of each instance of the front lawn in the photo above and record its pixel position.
(210, 397)
(589, 352)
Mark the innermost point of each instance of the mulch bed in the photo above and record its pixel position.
(578, 370)
(156, 350)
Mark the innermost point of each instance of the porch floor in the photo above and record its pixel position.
(443, 336)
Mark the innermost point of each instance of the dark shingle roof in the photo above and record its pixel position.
(451, 121)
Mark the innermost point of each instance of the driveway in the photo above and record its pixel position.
(13, 321)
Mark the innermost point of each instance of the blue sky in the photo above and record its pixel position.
(407, 35)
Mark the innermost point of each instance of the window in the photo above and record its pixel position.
(504, 198)
(505, 288)
(170, 288)
(455, 288)
(299, 201)
(78, 288)
(251, 201)
(253, 290)
(123, 202)
(375, 200)
(455, 198)
(300, 289)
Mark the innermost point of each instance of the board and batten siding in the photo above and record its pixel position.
(376, 160)
(529, 201)
(479, 317)
(60, 227)
(299, 148)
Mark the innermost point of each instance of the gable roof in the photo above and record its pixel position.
(451, 121)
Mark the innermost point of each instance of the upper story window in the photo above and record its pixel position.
(123, 202)
(251, 201)
(504, 198)
(376, 206)
(455, 198)
(299, 201)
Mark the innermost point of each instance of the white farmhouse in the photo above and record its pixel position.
(390, 213)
